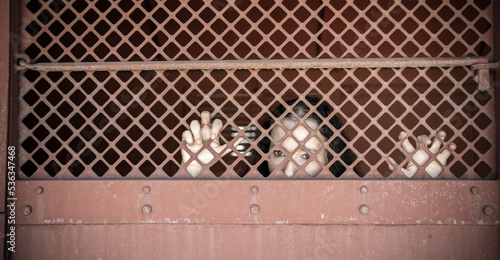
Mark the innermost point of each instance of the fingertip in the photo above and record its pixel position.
(187, 137)
(217, 122)
(238, 141)
(402, 135)
(194, 125)
(452, 146)
(205, 117)
(441, 134)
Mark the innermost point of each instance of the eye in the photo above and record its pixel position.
(305, 156)
(278, 153)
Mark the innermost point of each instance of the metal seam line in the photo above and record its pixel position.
(254, 64)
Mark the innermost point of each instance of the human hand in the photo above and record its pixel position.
(421, 157)
(196, 136)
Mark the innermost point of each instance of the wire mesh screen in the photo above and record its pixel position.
(314, 123)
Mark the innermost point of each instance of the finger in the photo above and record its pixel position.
(424, 139)
(391, 166)
(187, 137)
(238, 141)
(406, 143)
(185, 156)
(443, 156)
(436, 144)
(194, 168)
(195, 129)
(410, 165)
(205, 132)
(205, 118)
(410, 170)
(216, 128)
(441, 134)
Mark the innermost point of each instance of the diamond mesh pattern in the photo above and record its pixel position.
(57, 31)
(129, 123)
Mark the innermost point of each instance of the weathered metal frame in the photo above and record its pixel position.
(464, 221)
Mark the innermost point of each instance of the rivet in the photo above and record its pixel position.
(363, 209)
(39, 190)
(363, 189)
(146, 189)
(146, 209)
(254, 189)
(27, 210)
(488, 210)
(254, 209)
(474, 190)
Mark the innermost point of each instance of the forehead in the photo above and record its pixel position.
(301, 133)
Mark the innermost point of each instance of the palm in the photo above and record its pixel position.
(196, 136)
(421, 157)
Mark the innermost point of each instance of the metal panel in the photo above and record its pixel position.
(259, 202)
(163, 241)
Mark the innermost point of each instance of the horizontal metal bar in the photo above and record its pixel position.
(259, 202)
(254, 64)
(491, 65)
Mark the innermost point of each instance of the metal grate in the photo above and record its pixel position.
(114, 124)
(60, 31)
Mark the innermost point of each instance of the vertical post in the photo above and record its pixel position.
(496, 81)
(5, 77)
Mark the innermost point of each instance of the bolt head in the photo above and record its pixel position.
(27, 210)
(254, 209)
(488, 210)
(474, 190)
(146, 209)
(146, 189)
(363, 189)
(39, 190)
(254, 189)
(363, 209)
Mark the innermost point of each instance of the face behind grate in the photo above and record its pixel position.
(129, 123)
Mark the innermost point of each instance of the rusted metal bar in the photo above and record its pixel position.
(254, 64)
(259, 202)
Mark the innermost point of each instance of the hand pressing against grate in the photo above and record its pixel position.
(199, 134)
(421, 156)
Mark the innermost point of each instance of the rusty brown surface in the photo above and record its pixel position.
(259, 202)
(163, 241)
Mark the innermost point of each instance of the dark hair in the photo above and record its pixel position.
(301, 109)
